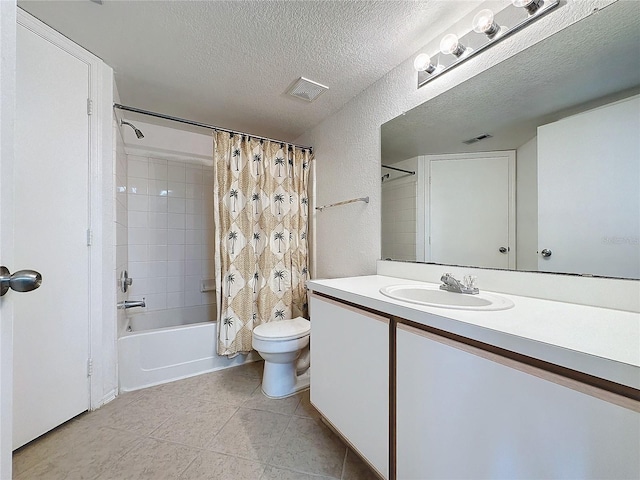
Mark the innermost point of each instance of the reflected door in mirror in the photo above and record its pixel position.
(589, 194)
(471, 209)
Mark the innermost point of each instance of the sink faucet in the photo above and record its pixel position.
(450, 284)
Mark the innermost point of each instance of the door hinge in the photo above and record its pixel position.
(89, 106)
(89, 367)
(89, 237)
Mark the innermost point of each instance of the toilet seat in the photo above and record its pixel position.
(282, 330)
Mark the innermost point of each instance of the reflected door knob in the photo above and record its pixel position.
(503, 249)
(20, 281)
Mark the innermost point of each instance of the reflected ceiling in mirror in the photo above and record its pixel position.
(593, 62)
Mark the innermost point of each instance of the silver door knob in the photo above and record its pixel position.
(546, 253)
(503, 249)
(20, 281)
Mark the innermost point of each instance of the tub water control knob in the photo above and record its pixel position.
(125, 281)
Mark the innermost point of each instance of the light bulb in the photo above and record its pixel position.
(450, 44)
(422, 63)
(483, 23)
(530, 5)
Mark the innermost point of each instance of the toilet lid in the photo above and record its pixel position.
(283, 329)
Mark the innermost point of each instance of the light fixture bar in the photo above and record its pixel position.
(480, 41)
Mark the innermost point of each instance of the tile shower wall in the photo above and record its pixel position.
(170, 220)
(399, 221)
(399, 208)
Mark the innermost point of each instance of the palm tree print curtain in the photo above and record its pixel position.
(261, 220)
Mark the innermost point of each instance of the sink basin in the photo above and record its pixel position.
(432, 296)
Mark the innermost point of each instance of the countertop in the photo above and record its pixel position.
(598, 341)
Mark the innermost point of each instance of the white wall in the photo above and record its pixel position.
(527, 206)
(170, 217)
(347, 144)
(104, 238)
(121, 213)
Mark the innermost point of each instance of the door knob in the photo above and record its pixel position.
(546, 253)
(20, 281)
(503, 249)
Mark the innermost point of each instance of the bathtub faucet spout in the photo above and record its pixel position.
(131, 304)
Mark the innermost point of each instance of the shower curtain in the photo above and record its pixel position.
(260, 222)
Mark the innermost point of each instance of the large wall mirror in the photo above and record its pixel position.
(534, 164)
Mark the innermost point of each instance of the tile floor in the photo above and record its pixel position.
(215, 426)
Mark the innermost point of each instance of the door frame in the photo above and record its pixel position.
(424, 193)
(100, 224)
(7, 121)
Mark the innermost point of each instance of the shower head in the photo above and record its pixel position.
(139, 134)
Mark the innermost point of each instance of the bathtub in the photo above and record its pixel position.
(165, 345)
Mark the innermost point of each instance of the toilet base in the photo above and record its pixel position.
(283, 388)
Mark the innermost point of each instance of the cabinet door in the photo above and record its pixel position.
(460, 415)
(350, 376)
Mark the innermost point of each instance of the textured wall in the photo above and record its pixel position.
(347, 145)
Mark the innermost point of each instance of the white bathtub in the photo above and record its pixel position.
(166, 345)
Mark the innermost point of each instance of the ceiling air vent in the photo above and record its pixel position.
(307, 89)
(477, 139)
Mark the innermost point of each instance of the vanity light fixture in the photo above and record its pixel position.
(488, 27)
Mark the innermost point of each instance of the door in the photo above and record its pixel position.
(589, 192)
(471, 209)
(51, 198)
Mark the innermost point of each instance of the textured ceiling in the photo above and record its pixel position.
(229, 63)
(594, 61)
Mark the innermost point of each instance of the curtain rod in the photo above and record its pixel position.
(361, 199)
(198, 124)
(399, 169)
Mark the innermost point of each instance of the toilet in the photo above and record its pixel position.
(284, 345)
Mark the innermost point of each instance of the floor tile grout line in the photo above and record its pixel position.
(187, 467)
(134, 444)
(276, 444)
(344, 463)
(205, 449)
(298, 470)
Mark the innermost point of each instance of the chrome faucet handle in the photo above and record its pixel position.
(470, 281)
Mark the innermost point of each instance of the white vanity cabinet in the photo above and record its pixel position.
(467, 413)
(350, 376)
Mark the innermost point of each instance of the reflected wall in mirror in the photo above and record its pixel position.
(567, 110)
